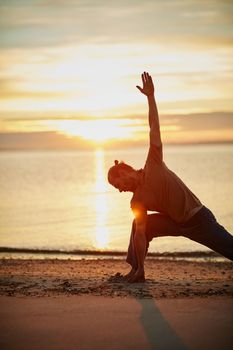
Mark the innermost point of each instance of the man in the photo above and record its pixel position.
(156, 188)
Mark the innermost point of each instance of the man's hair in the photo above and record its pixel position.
(113, 172)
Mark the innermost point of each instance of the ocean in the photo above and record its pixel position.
(61, 200)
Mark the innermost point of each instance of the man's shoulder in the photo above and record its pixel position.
(137, 197)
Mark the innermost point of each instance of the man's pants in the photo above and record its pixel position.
(202, 228)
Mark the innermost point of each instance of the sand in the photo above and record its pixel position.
(84, 305)
(97, 322)
(165, 278)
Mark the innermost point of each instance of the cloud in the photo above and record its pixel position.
(191, 121)
(53, 23)
(10, 91)
(57, 49)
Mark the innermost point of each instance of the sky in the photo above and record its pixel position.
(69, 70)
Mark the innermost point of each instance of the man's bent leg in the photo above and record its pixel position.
(131, 254)
(157, 225)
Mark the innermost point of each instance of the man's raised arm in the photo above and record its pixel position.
(148, 90)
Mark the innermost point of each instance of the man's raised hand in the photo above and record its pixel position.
(148, 86)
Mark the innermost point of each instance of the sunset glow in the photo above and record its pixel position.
(62, 70)
(95, 130)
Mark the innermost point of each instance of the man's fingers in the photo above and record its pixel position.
(146, 77)
(146, 80)
(143, 78)
(139, 88)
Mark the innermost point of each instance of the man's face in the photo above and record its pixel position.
(125, 182)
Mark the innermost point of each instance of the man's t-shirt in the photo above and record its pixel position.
(161, 190)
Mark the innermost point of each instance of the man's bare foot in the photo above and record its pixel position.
(130, 274)
(137, 277)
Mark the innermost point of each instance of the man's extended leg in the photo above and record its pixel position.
(203, 228)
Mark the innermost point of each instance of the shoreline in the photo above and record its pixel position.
(34, 253)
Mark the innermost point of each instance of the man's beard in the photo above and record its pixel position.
(131, 185)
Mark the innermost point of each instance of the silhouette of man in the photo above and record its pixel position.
(156, 188)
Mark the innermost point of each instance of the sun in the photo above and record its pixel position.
(94, 130)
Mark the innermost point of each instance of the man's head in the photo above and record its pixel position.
(123, 177)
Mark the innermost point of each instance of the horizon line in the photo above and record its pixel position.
(112, 147)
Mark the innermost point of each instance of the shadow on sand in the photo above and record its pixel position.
(158, 331)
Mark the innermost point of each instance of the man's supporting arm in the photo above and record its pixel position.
(140, 247)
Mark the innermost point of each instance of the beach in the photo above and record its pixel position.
(85, 304)
(164, 278)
